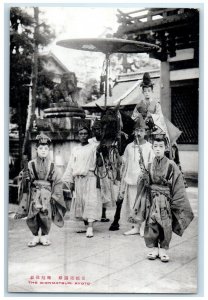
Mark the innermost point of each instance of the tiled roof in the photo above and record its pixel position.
(127, 89)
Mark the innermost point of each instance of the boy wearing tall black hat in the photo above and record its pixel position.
(148, 107)
(44, 202)
(167, 207)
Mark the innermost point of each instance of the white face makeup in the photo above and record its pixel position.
(43, 151)
(159, 148)
(147, 91)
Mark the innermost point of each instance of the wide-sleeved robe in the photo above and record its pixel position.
(44, 196)
(154, 108)
(162, 200)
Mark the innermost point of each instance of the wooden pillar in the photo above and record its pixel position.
(165, 91)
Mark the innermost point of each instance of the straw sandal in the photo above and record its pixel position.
(34, 242)
(163, 255)
(44, 240)
(153, 254)
(133, 231)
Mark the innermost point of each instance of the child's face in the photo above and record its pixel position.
(159, 148)
(147, 91)
(139, 133)
(43, 151)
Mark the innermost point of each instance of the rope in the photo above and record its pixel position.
(96, 171)
(109, 164)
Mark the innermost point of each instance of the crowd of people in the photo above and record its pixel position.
(151, 192)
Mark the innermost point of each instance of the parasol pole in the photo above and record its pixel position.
(108, 46)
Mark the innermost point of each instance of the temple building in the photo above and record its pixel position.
(176, 31)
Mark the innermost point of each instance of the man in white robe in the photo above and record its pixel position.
(137, 156)
(79, 177)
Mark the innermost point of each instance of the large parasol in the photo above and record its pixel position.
(108, 46)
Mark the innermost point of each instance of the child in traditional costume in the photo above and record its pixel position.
(43, 202)
(79, 177)
(149, 108)
(167, 206)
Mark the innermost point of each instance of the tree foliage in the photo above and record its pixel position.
(22, 45)
(26, 35)
(90, 91)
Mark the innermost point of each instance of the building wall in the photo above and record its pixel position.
(189, 158)
(189, 162)
(52, 66)
(182, 70)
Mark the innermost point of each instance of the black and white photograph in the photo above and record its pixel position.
(103, 149)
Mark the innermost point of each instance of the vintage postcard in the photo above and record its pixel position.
(103, 149)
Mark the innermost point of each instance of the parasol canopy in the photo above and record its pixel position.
(108, 45)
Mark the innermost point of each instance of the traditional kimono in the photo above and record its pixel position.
(154, 108)
(131, 172)
(166, 208)
(86, 202)
(44, 202)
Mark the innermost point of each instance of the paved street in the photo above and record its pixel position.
(107, 263)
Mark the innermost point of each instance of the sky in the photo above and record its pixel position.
(81, 22)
